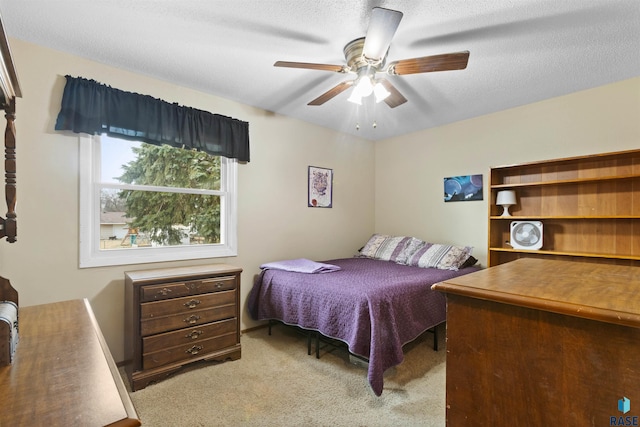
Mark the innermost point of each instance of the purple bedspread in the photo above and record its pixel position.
(374, 306)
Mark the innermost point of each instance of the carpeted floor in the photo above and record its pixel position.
(276, 383)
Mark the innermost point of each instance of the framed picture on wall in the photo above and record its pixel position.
(320, 184)
(463, 188)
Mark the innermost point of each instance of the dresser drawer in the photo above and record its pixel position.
(150, 310)
(182, 320)
(187, 287)
(185, 336)
(188, 351)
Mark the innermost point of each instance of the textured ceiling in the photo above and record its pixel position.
(522, 51)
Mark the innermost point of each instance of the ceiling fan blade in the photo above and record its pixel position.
(428, 64)
(382, 27)
(395, 98)
(334, 91)
(311, 66)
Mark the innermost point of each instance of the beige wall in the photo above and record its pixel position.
(410, 169)
(274, 220)
(403, 196)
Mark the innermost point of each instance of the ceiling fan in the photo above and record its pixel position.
(366, 57)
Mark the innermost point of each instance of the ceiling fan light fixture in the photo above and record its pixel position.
(367, 56)
(380, 92)
(364, 86)
(355, 98)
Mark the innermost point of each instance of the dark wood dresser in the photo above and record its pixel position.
(178, 316)
(538, 342)
(63, 373)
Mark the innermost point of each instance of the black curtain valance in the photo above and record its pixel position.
(94, 108)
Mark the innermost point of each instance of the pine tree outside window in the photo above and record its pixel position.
(150, 203)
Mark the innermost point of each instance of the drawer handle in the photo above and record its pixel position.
(193, 285)
(192, 304)
(194, 350)
(194, 334)
(164, 291)
(192, 319)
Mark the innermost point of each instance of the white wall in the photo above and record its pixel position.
(410, 169)
(274, 220)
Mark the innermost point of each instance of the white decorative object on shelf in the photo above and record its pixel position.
(526, 235)
(505, 199)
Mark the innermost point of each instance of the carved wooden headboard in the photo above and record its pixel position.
(9, 91)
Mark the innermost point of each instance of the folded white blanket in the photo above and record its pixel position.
(300, 265)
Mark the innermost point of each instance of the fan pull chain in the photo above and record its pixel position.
(374, 125)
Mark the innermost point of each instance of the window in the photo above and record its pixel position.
(144, 203)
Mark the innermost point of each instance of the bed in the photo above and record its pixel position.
(373, 304)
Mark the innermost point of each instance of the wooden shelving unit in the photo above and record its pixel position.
(589, 207)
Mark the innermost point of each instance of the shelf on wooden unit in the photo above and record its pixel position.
(566, 253)
(552, 217)
(589, 207)
(564, 181)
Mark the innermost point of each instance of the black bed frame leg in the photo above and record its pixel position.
(435, 338)
(310, 336)
(271, 322)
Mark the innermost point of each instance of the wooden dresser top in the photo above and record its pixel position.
(608, 293)
(175, 273)
(62, 373)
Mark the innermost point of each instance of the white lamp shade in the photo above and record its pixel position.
(381, 92)
(364, 87)
(355, 98)
(505, 199)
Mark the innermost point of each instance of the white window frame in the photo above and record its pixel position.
(89, 238)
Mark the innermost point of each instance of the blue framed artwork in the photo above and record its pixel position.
(463, 188)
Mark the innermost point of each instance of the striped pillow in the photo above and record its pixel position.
(383, 247)
(444, 257)
(411, 247)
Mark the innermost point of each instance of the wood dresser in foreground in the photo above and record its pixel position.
(178, 316)
(63, 373)
(538, 342)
